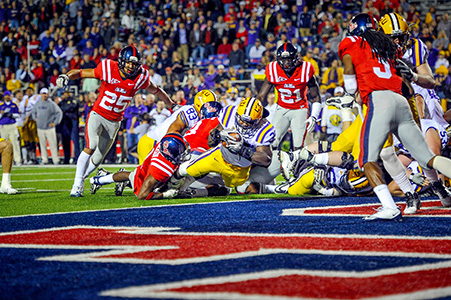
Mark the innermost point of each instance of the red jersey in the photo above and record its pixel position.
(155, 165)
(372, 75)
(115, 92)
(197, 137)
(292, 90)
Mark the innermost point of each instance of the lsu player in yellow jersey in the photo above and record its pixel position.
(415, 53)
(181, 120)
(246, 137)
(412, 50)
(6, 151)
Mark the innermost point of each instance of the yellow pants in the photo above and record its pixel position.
(212, 161)
(303, 185)
(145, 145)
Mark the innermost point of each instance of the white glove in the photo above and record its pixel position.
(232, 139)
(62, 81)
(170, 194)
(310, 123)
(341, 102)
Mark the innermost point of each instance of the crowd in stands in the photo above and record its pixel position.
(187, 46)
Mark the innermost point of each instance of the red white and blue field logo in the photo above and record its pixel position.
(267, 249)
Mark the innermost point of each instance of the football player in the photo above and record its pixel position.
(369, 57)
(245, 141)
(182, 119)
(6, 151)
(418, 71)
(148, 179)
(292, 77)
(120, 81)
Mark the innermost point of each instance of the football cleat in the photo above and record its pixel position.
(413, 203)
(95, 183)
(77, 191)
(8, 190)
(286, 164)
(282, 188)
(120, 186)
(442, 193)
(384, 213)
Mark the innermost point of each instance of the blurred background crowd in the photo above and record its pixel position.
(222, 45)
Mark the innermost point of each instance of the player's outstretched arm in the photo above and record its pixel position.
(63, 80)
(316, 103)
(160, 93)
(177, 126)
(146, 191)
(425, 77)
(264, 90)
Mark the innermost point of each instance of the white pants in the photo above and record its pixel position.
(10, 132)
(290, 118)
(50, 136)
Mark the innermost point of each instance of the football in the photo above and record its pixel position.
(232, 136)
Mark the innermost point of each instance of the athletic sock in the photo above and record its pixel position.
(384, 196)
(403, 182)
(82, 163)
(6, 180)
(107, 179)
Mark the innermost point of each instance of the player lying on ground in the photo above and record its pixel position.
(148, 179)
(245, 142)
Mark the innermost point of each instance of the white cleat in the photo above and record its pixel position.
(413, 203)
(286, 164)
(385, 214)
(8, 190)
(77, 191)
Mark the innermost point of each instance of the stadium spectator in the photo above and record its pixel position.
(47, 115)
(160, 113)
(225, 47)
(181, 39)
(442, 82)
(210, 37)
(131, 116)
(197, 43)
(221, 74)
(69, 126)
(9, 113)
(441, 61)
(332, 77)
(441, 42)
(309, 58)
(445, 25)
(256, 52)
(236, 56)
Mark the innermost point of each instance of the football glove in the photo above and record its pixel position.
(404, 69)
(62, 81)
(247, 151)
(341, 102)
(310, 123)
(419, 179)
(232, 140)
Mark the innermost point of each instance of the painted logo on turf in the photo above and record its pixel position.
(426, 275)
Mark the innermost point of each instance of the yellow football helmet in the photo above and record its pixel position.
(203, 97)
(396, 27)
(248, 113)
(232, 90)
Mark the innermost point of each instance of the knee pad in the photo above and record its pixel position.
(347, 161)
(324, 146)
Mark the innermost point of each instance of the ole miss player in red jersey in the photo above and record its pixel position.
(120, 81)
(153, 173)
(369, 58)
(292, 77)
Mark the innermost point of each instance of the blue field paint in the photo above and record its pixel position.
(28, 273)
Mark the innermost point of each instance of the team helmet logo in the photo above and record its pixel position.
(165, 149)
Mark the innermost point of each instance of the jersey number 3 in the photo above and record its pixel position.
(110, 102)
(386, 74)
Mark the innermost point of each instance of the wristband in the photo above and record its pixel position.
(316, 107)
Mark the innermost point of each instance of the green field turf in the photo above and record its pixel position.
(46, 189)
